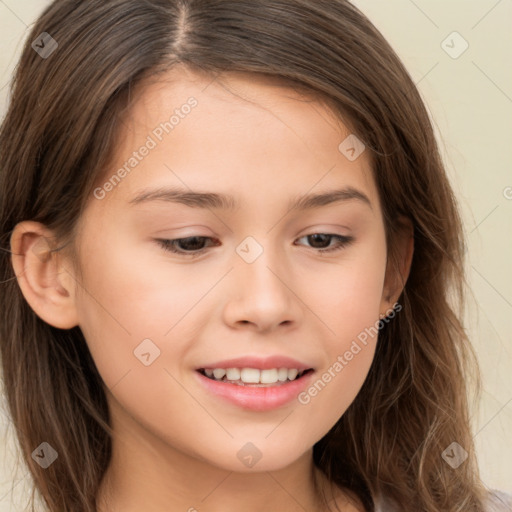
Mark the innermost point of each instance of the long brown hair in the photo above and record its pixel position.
(56, 140)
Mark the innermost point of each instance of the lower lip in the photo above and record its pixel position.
(256, 398)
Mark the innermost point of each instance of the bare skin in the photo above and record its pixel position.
(175, 444)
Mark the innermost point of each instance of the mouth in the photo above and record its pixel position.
(255, 389)
(254, 377)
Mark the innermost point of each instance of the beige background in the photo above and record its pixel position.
(470, 99)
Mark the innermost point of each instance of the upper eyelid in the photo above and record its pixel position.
(341, 239)
(216, 239)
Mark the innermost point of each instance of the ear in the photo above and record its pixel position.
(45, 282)
(398, 265)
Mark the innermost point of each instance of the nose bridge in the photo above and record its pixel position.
(262, 296)
(259, 263)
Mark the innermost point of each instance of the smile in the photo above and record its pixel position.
(247, 388)
(253, 376)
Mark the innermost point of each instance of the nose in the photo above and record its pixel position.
(262, 296)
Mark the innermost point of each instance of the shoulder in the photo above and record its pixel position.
(496, 501)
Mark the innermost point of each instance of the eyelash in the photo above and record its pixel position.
(169, 245)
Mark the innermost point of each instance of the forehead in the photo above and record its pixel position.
(222, 132)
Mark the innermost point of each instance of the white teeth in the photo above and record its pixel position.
(282, 374)
(250, 375)
(268, 376)
(232, 374)
(292, 373)
(254, 375)
(218, 373)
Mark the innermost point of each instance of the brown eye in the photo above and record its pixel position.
(195, 245)
(189, 246)
(324, 239)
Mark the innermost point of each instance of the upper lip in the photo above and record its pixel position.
(261, 363)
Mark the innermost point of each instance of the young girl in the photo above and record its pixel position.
(231, 258)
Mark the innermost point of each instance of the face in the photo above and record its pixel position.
(173, 285)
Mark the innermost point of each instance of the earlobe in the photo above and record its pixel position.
(399, 265)
(42, 275)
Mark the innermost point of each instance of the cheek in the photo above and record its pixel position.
(347, 294)
(125, 300)
(349, 304)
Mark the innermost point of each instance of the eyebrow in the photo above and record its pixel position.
(213, 200)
